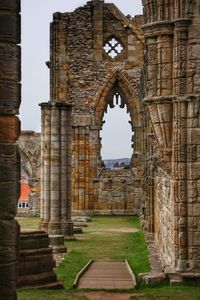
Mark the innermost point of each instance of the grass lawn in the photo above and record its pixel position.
(98, 243)
(28, 223)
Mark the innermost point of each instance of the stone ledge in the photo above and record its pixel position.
(152, 278)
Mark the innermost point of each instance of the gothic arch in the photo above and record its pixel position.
(126, 90)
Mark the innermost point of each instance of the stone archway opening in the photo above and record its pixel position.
(116, 187)
(117, 132)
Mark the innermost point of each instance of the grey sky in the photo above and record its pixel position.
(36, 16)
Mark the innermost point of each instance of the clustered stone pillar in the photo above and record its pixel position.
(180, 144)
(9, 132)
(56, 171)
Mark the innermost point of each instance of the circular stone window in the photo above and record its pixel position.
(113, 47)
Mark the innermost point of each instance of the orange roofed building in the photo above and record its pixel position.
(23, 203)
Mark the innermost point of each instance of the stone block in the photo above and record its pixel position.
(9, 163)
(10, 57)
(57, 243)
(29, 240)
(10, 28)
(13, 5)
(9, 232)
(8, 275)
(8, 200)
(9, 129)
(194, 171)
(194, 136)
(153, 278)
(10, 96)
(35, 264)
(194, 210)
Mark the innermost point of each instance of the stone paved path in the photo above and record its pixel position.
(107, 275)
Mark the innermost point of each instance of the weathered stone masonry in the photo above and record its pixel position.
(118, 192)
(172, 100)
(30, 152)
(10, 89)
(164, 110)
(85, 76)
(55, 210)
(172, 187)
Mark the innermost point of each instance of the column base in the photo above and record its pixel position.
(43, 225)
(55, 228)
(68, 229)
(57, 243)
(182, 265)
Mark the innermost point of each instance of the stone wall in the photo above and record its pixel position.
(118, 193)
(172, 110)
(163, 220)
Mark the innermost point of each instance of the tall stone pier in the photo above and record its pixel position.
(172, 100)
(56, 170)
(10, 89)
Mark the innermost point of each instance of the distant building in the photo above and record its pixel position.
(23, 203)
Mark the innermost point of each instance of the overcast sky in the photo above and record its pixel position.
(36, 16)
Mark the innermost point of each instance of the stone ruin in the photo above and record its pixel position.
(153, 63)
(96, 58)
(30, 153)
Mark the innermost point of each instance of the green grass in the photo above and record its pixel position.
(98, 244)
(170, 292)
(49, 295)
(28, 223)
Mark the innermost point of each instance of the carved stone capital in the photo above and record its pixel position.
(160, 111)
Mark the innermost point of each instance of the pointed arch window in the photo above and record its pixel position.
(117, 132)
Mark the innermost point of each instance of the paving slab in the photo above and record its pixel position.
(107, 275)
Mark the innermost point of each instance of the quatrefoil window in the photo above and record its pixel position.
(113, 47)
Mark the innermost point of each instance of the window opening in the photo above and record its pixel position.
(113, 47)
(116, 134)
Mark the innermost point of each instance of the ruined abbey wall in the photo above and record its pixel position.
(29, 144)
(118, 192)
(157, 77)
(172, 100)
(171, 142)
(86, 77)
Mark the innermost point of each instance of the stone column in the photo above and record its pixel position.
(152, 71)
(54, 226)
(56, 179)
(10, 91)
(180, 144)
(65, 180)
(34, 196)
(45, 165)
